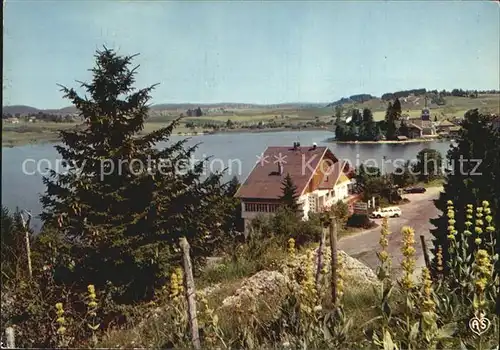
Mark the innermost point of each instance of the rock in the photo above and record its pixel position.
(356, 274)
(263, 282)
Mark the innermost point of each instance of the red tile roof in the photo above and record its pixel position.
(265, 182)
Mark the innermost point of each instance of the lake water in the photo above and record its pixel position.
(23, 167)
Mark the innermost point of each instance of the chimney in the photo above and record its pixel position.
(315, 145)
(280, 168)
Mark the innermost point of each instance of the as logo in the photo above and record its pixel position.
(479, 325)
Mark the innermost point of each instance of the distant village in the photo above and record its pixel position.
(40, 116)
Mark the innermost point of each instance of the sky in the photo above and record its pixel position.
(252, 52)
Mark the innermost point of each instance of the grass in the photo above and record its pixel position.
(47, 132)
(28, 133)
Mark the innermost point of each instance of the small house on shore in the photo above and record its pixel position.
(421, 128)
(444, 127)
(320, 177)
(12, 120)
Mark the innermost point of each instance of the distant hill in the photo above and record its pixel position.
(19, 109)
(182, 107)
(25, 110)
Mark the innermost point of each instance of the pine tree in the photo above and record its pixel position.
(369, 128)
(340, 132)
(352, 132)
(367, 116)
(123, 202)
(396, 110)
(390, 127)
(392, 131)
(356, 117)
(289, 196)
(466, 184)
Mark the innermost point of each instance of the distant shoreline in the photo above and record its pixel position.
(37, 138)
(249, 131)
(386, 141)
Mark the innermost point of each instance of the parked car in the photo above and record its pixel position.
(415, 190)
(389, 212)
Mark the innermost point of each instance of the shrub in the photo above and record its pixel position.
(360, 221)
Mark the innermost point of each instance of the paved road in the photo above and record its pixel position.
(416, 214)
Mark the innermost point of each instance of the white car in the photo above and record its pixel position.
(389, 212)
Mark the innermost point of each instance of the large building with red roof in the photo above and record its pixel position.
(320, 177)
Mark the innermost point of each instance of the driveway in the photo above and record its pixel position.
(416, 214)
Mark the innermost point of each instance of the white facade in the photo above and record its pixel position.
(313, 202)
(317, 200)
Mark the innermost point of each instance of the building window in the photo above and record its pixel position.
(261, 207)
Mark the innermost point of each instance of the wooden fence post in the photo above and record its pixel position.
(426, 253)
(190, 293)
(28, 246)
(333, 247)
(10, 338)
(320, 260)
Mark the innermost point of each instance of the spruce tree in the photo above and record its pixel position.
(367, 116)
(369, 126)
(396, 110)
(340, 132)
(391, 131)
(466, 184)
(289, 196)
(124, 201)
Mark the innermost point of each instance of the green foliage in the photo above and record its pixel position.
(360, 221)
(340, 211)
(289, 194)
(13, 248)
(392, 114)
(364, 174)
(361, 127)
(234, 222)
(404, 176)
(123, 220)
(285, 224)
(474, 174)
(429, 165)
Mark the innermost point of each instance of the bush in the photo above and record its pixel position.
(285, 225)
(360, 221)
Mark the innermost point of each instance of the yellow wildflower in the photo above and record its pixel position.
(60, 318)
(408, 251)
(482, 276)
(174, 286)
(439, 258)
(428, 304)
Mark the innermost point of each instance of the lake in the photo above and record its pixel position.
(23, 167)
